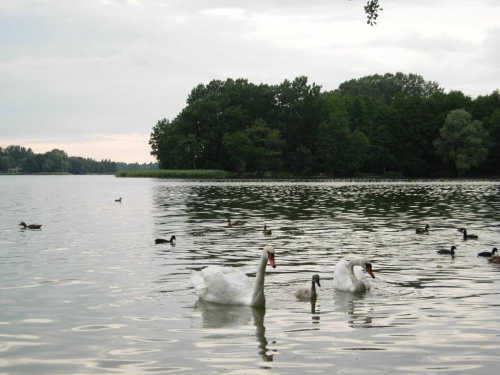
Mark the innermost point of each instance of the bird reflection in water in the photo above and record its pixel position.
(260, 332)
(224, 316)
(348, 303)
(315, 316)
(313, 307)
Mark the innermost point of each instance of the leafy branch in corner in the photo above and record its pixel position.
(372, 8)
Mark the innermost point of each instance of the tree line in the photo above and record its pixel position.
(19, 159)
(393, 124)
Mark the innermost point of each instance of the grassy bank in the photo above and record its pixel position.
(170, 173)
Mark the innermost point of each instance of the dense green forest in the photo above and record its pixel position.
(18, 159)
(393, 125)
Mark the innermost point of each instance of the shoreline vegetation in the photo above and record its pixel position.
(19, 160)
(209, 174)
(378, 124)
(216, 174)
(181, 173)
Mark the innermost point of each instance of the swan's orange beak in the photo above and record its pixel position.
(369, 270)
(270, 258)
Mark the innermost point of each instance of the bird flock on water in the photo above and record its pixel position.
(229, 285)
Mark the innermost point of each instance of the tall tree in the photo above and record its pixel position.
(17, 152)
(299, 113)
(267, 144)
(492, 126)
(340, 150)
(415, 131)
(190, 151)
(462, 141)
(385, 88)
(163, 140)
(258, 149)
(239, 150)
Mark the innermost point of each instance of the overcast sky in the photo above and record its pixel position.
(92, 77)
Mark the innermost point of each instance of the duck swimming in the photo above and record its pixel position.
(351, 279)
(230, 286)
(309, 293)
(266, 231)
(118, 200)
(488, 253)
(451, 251)
(423, 230)
(31, 226)
(467, 236)
(161, 240)
(234, 223)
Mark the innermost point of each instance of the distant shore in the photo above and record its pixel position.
(221, 174)
(210, 174)
(170, 173)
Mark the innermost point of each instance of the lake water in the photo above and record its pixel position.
(91, 292)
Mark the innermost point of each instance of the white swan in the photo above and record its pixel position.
(309, 293)
(351, 279)
(230, 286)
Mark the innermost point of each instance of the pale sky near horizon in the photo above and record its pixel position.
(93, 77)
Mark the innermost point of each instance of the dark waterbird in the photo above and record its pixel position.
(266, 231)
(423, 230)
(162, 240)
(31, 226)
(118, 200)
(234, 223)
(467, 236)
(450, 252)
(309, 293)
(488, 253)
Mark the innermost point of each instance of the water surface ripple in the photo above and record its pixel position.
(92, 293)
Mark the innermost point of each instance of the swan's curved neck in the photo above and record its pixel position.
(313, 289)
(258, 298)
(358, 285)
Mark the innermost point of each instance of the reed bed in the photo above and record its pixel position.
(175, 173)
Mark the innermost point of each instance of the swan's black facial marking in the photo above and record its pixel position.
(368, 268)
(270, 257)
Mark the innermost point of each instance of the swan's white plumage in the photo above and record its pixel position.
(230, 286)
(226, 285)
(349, 275)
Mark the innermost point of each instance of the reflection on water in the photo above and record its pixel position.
(93, 293)
(215, 316)
(260, 333)
(223, 316)
(360, 316)
(313, 305)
